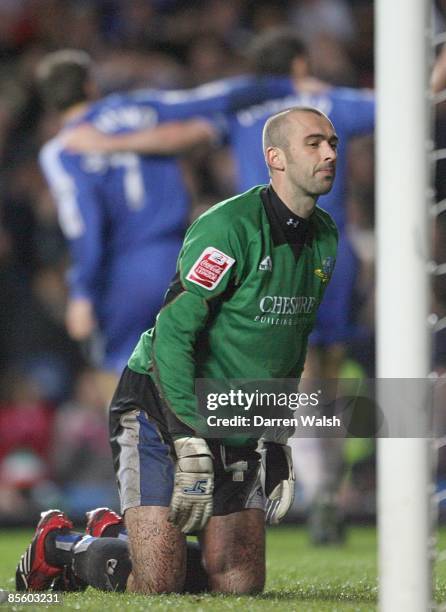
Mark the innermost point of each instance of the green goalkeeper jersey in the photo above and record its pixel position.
(243, 302)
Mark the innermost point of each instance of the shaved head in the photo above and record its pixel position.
(276, 128)
(299, 145)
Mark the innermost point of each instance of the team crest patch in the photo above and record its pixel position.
(210, 268)
(325, 272)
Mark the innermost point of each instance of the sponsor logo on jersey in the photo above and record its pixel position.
(210, 268)
(325, 272)
(281, 309)
(266, 264)
(288, 305)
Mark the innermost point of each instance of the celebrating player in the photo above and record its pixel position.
(124, 214)
(172, 479)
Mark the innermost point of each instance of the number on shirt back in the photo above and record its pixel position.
(132, 177)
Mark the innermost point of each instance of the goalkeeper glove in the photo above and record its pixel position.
(191, 504)
(279, 481)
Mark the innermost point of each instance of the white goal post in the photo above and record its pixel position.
(403, 339)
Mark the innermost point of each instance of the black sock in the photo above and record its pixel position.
(103, 563)
(59, 545)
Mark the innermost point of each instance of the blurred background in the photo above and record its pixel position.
(53, 430)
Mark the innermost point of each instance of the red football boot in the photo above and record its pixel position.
(33, 573)
(100, 519)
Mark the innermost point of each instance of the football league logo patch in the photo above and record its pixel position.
(210, 268)
(325, 272)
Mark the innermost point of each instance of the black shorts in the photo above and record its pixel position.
(143, 454)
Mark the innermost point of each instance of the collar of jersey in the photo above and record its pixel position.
(278, 215)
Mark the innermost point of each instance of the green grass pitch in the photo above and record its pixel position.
(299, 577)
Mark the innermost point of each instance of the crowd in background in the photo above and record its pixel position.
(53, 433)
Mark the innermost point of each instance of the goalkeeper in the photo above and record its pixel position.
(224, 317)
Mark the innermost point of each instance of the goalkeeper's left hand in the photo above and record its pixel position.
(279, 481)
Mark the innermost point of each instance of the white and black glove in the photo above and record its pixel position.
(191, 504)
(279, 479)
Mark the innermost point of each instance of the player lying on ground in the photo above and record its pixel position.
(258, 248)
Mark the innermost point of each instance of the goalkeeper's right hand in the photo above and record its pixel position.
(191, 504)
(279, 481)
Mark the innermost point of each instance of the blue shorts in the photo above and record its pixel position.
(143, 454)
(334, 322)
